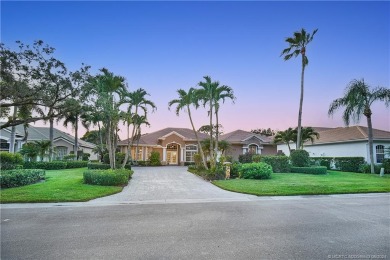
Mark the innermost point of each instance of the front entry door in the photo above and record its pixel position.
(172, 157)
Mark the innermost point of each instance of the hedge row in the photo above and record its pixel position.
(309, 170)
(55, 165)
(103, 166)
(107, 177)
(278, 163)
(9, 161)
(255, 171)
(20, 177)
(346, 164)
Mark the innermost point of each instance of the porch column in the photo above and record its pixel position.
(146, 153)
(164, 154)
(182, 155)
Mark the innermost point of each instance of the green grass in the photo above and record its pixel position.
(304, 184)
(60, 186)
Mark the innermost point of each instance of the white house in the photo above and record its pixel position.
(63, 142)
(346, 142)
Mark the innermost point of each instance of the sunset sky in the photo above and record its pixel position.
(163, 46)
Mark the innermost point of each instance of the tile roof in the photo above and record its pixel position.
(153, 138)
(240, 136)
(349, 134)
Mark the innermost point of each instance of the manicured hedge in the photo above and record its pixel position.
(107, 177)
(9, 161)
(20, 177)
(55, 165)
(310, 170)
(321, 161)
(386, 165)
(245, 158)
(76, 164)
(349, 164)
(366, 168)
(104, 166)
(255, 171)
(278, 163)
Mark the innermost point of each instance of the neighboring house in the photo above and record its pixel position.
(243, 142)
(346, 142)
(175, 145)
(62, 142)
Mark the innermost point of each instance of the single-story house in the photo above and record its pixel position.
(345, 142)
(243, 142)
(62, 142)
(177, 146)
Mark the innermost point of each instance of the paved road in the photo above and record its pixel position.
(170, 184)
(302, 227)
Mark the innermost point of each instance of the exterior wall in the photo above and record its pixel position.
(269, 150)
(93, 156)
(340, 150)
(235, 150)
(173, 138)
(63, 143)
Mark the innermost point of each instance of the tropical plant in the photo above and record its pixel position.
(43, 146)
(185, 100)
(287, 136)
(297, 46)
(357, 100)
(308, 134)
(30, 150)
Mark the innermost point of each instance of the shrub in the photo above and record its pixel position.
(141, 163)
(235, 170)
(20, 177)
(9, 161)
(321, 161)
(107, 177)
(198, 160)
(76, 164)
(55, 165)
(98, 166)
(386, 165)
(106, 158)
(245, 158)
(310, 170)
(300, 158)
(229, 158)
(85, 156)
(366, 168)
(188, 163)
(278, 163)
(256, 171)
(349, 164)
(155, 158)
(69, 157)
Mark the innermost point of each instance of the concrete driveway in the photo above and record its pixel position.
(170, 184)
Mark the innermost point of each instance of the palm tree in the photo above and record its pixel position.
(308, 134)
(221, 93)
(286, 136)
(185, 100)
(298, 45)
(43, 146)
(137, 100)
(357, 101)
(138, 121)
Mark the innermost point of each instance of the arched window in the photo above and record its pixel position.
(380, 153)
(190, 151)
(253, 149)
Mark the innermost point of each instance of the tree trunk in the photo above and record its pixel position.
(370, 143)
(128, 147)
(13, 132)
(212, 164)
(216, 134)
(76, 129)
(299, 134)
(51, 137)
(197, 139)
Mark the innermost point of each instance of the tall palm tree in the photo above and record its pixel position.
(298, 45)
(136, 101)
(185, 100)
(138, 120)
(286, 136)
(308, 134)
(221, 93)
(357, 100)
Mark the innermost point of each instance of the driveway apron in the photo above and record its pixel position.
(170, 184)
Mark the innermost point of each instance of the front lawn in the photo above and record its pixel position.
(304, 184)
(60, 186)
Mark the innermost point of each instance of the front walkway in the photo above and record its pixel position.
(170, 184)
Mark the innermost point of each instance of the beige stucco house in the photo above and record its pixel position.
(63, 142)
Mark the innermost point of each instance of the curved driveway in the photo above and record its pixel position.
(170, 184)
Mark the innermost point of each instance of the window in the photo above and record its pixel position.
(139, 156)
(61, 152)
(4, 146)
(253, 149)
(380, 153)
(190, 151)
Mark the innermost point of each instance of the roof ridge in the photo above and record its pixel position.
(361, 131)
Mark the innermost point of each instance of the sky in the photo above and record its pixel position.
(164, 46)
